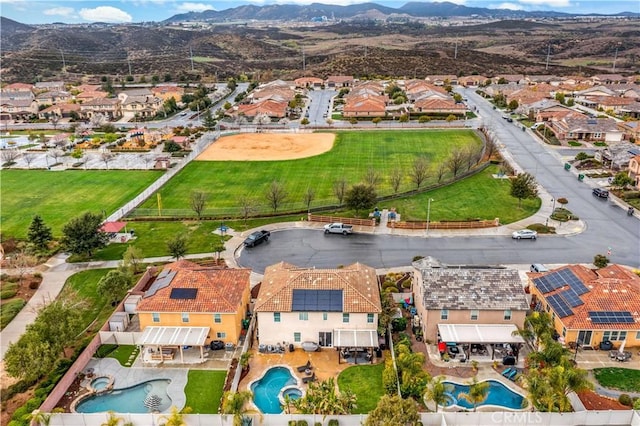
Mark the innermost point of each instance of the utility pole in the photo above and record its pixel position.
(548, 55)
(455, 53)
(615, 58)
(129, 63)
(304, 64)
(191, 57)
(64, 64)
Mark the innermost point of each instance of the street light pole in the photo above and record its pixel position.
(428, 215)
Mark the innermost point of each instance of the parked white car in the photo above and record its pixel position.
(524, 234)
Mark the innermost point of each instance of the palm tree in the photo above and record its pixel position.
(478, 392)
(438, 391)
(112, 420)
(38, 418)
(537, 327)
(236, 403)
(175, 418)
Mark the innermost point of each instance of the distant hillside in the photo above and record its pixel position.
(10, 26)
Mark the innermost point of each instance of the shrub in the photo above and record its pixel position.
(630, 195)
(625, 399)
(399, 324)
(334, 422)
(406, 284)
(302, 423)
(415, 258)
(8, 291)
(292, 423)
(33, 285)
(582, 156)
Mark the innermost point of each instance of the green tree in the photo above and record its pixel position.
(112, 419)
(175, 418)
(132, 259)
(537, 328)
(524, 186)
(38, 418)
(413, 378)
(58, 323)
(393, 411)
(276, 194)
(114, 285)
(376, 120)
(404, 118)
(360, 197)
(622, 180)
(29, 358)
(560, 97)
(478, 392)
(82, 234)
(457, 97)
(177, 246)
(198, 201)
(236, 403)
(437, 391)
(322, 398)
(39, 234)
(304, 121)
(513, 105)
(208, 121)
(600, 261)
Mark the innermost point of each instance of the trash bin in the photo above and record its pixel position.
(567, 166)
(580, 177)
(291, 347)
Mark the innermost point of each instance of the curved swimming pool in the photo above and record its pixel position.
(134, 399)
(267, 388)
(499, 396)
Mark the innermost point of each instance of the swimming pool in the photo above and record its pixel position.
(101, 383)
(129, 400)
(267, 388)
(499, 396)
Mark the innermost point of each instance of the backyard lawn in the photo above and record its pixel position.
(81, 289)
(624, 379)
(60, 196)
(353, 154)
(204, 390)
(365, 381)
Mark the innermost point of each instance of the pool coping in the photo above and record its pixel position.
(293, 374)
(486, 407)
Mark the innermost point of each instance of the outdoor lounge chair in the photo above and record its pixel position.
(302, 368)
(311, 378)
(506, 372)
(513, 374)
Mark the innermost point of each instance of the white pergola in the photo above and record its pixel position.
(355, 338)
(479, 333)
(179, 337)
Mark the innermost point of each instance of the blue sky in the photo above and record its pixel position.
(116, 11)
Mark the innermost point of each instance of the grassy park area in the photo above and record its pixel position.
(60, 196)
(353, 154)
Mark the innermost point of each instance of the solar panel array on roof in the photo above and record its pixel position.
(164, 279)
(316, 300)
(559, 279)
(183, 293)
(559, 306)
(571, 297)
(611, 317)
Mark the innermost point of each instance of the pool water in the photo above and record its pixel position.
(128, 400)
(100, 383)
(498, 395)
(292, 393)
(266, 389)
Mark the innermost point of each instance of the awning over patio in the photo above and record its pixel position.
(479, 333)
(112, 227)
(355, 338)
(174, 336)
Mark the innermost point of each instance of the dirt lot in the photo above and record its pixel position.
(268, 147)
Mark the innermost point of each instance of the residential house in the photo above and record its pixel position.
(208, 300)
(556, 112)
(634, 170)
(17, 109)
(453, 298)
(504, 89)
(535, 80)
(609, 79)
(590, 306)
(631, 110)
(614, 104)
(530, 94)
(339, 81)
(333, 307)
(49, 86)
(110, 108)
(472, 80)
(421, 90)
(531, 108)
(274, 109)
(365, 106)
(61, 110)
(585, 129)
(139, 103)
(631, 130)
(53, 98)
(89, 95)
(439, 107)
(309, 82)
(617, 156)
(442, 80)
(168, 91)
(510, 79)
(17, 87)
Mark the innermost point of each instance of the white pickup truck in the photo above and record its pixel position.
(338, 228)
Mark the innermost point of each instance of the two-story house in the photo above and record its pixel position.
(333, 307)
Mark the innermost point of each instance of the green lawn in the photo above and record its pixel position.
(80, 288)
(365, 381)
(352, 155)
(59, 196)
(624, 379)
(9, 310)
(125, 354)
(204, 390)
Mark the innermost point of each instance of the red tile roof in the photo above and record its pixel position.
(612, 288)
(219, 290)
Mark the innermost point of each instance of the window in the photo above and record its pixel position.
(185, 317)
(303, 316)
(637, 335)
(217, 318)
(507, 315)
(614, 335)
(297, 337)
(221, 335)
(564, 332)
(474, 315)
(155, 317)
(345, 317)
(370, 318)
(325, 316)
(276, 317)
(444, 314)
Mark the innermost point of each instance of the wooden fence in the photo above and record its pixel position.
(474, 224)
(345, 220)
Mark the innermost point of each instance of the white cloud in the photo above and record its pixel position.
(510, 6)
(59, 11)
(193, 7)
(105, 14)
(548, 3)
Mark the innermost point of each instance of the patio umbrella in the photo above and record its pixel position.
(621, 350)
(152, 402)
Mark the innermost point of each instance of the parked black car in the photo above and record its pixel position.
(256, 238)
(599, 192)
(216, 345)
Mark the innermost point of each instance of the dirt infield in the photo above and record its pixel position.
(267, 147)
